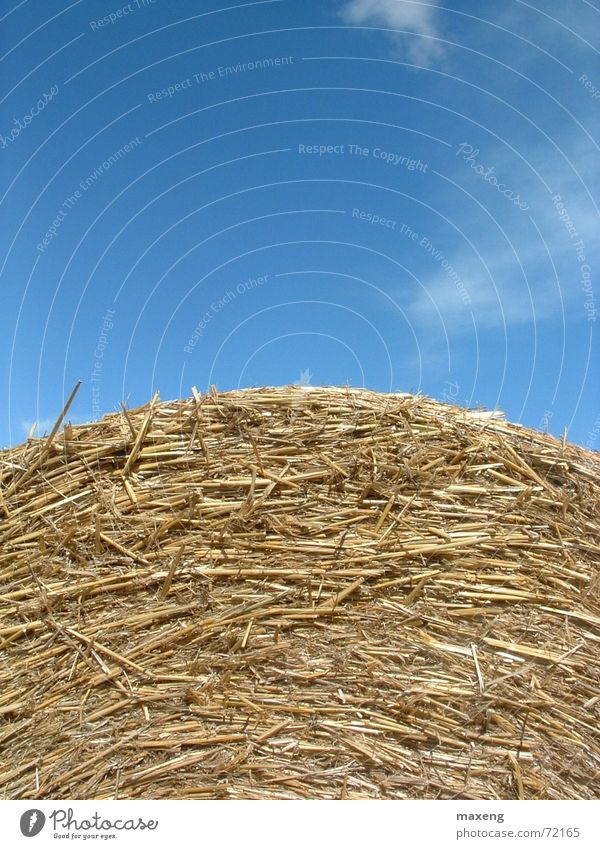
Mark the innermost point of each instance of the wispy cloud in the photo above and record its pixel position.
(411, 15)
(43, 426)
(499, 297)
(39, 426)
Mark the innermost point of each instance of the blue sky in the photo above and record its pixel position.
(381, 193)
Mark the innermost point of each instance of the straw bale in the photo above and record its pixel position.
(299, 593)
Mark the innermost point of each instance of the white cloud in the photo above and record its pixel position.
(418, 18)
(540, 275)
(508, 298)
(41, 426)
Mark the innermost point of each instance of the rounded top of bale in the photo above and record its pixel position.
(300, 592)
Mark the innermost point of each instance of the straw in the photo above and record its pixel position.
(299, 593)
